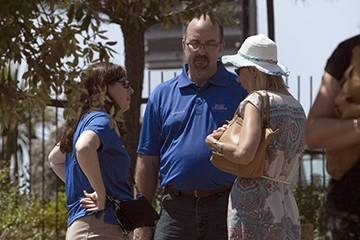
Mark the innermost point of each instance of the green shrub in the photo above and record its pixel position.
(28, 217)
(308, 198)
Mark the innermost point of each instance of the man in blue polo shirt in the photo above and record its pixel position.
(179, 115)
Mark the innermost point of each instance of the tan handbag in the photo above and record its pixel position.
(254, 168)
(339, 162)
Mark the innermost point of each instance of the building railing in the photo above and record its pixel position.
(34, 153)
(37, 176)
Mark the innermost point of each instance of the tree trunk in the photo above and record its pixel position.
(245, 19)
(134, 63)
(307, 231)
(271, 21)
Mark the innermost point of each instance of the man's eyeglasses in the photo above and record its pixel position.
(125, 83)
(196, 45)
(237, 71)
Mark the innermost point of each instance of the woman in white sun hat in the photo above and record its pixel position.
(264, 207)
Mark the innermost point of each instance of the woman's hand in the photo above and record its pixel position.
(221, 129)
(144, 233)
(92, 202)
(215, 135)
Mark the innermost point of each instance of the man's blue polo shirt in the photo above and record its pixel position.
(178, 117)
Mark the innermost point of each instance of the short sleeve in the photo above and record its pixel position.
(252, 98)
(150, 136)
(340, 58)
(99, 123)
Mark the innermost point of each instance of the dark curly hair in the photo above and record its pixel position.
(94, 96)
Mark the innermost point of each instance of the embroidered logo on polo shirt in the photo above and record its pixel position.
(219, 107)
(178, 112)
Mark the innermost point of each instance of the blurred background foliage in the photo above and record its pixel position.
(26, 217)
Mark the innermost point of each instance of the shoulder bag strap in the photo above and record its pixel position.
(131, 176)
(267, 123)
(262, 110)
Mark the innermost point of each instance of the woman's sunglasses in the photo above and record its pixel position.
(125, 83)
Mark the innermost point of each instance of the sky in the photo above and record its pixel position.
(306, 33)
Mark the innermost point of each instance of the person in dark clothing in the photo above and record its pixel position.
(340, 213)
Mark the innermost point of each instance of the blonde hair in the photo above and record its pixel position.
(266, 81)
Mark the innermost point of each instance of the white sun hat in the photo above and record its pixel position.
(260, 52)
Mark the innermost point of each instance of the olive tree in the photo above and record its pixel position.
(49, 42)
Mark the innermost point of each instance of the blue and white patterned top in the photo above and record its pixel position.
(263, 208)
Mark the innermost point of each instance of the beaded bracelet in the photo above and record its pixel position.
(356, 123)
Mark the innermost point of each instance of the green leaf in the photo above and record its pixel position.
(112, 43)
(71, 13)
(86, 22)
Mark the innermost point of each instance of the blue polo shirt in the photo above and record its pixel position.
(178, 117)
(114, 163)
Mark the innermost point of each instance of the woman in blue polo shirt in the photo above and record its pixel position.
(91, 158)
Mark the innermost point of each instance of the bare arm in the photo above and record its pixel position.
(146, 178)
(147, 175)
(57, 162)
(250, 136)
(86, 154)
(323, 129)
